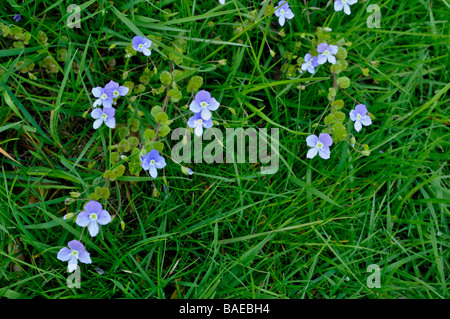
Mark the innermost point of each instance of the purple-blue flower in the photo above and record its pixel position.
(204, 104)
(310, 63)
(344, 4)
(319, 145)
(283, 12)
(104, 116)
(327, 52)
(153, 161)
(104, 97)
(113, 89)
(75, 253)
(17, 17)
(198, 123)
(142, 45)
(92, 216)
(360, 117)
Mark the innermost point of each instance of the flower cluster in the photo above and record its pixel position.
(327, 53)
(91, 217)
(202, 105)
(106, 97)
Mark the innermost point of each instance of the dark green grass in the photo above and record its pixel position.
(308, 231)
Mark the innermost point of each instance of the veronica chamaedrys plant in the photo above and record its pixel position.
(198, 123)
(344, 4)
(142, 45)
(327, 53)
(319, 145)
(115, 90)
(104, 116)
(204, 104)
(75, 252)
(283, 12)
(93, 216)
(310, 63)
(153, 161)
(103, 96)
(360, 117)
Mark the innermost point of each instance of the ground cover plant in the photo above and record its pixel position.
(224, 149)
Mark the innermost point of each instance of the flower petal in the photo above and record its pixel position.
(98, 102)
(361, 109)
(213, 104)
(96, 113)
(93, 207)
(366, 120)
(73, 264)
(333, 49)
(202, 96)
(322, 47)
(338, 5)
(85, 257)
(312, 152)
(83, 219)
(123, 90)
(325, 152)
(153, 171)
(146, 51)
(76, 245)
(191, 122)
(199, 130)
(160, 163)
(358, 125)
(312, 140)
(353, 115)
(322, 58)
(93, 228)
(331, 59)
(325, 139)
(108, 102)
(110, 122)
(64, 254)
(289, 14)
(195, 107)
(281, 20)
(206, 114)
(97, 123)
(97, 91)
(103, 217)
(347, 9)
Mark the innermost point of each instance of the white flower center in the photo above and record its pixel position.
(282, 11)
(344, 1)
(203, 104)
(93, 216)
(309, 63)
(319, 145)
(116, 93)
(152, 162)
(200, 122)
(104, 96)
(74, 253)
(140, 46)
(358, 116)
(104, 116)
(326, 52)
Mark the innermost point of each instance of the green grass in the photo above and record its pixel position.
(308, 231)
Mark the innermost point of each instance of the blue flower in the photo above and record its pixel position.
(153, 161)
(344, 4)
(104, 97)
(310, 63)
(319, 145)
(327, 52)
(17, 17)
(204, 104)
(360, 117)
(92, 216)
(198, 123)
(283, 12)
(113, 89)
(142, 45)
(104, 116)
(222, 1)
(75, 253)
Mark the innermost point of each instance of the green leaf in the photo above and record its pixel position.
(149, 134)
(163, 130)
(165, 78)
